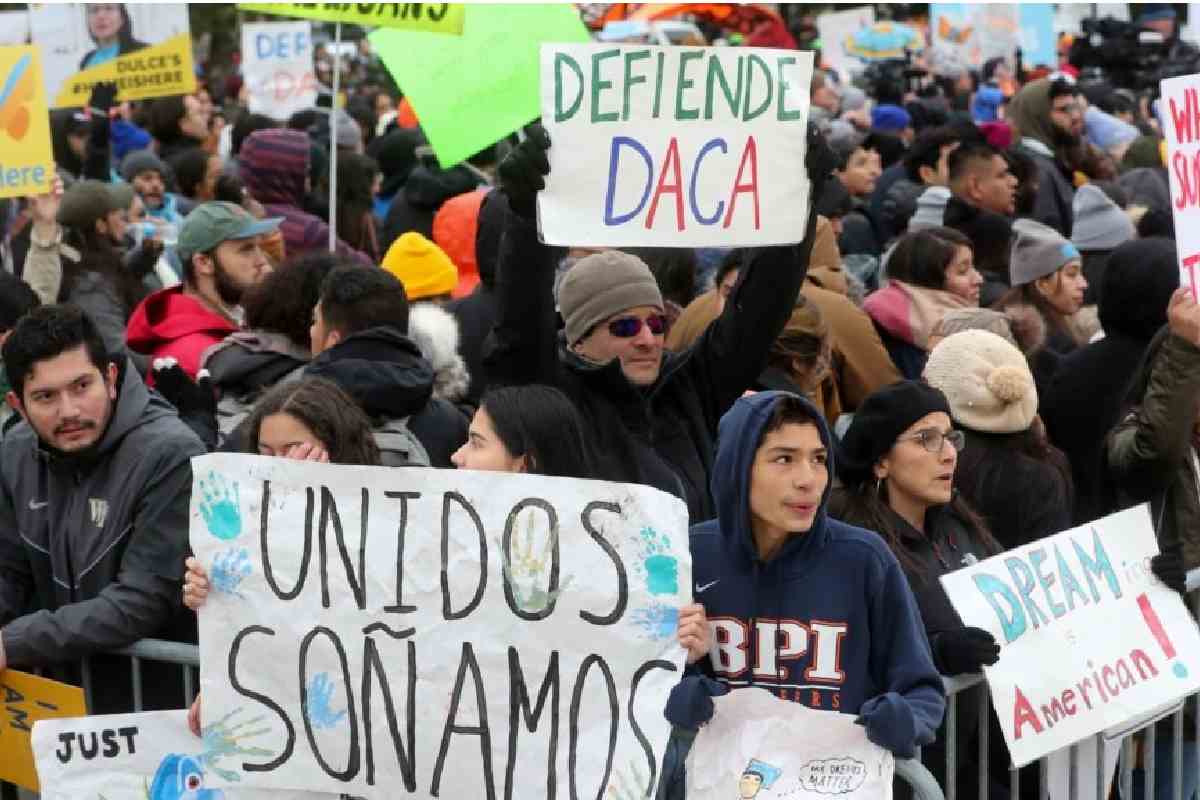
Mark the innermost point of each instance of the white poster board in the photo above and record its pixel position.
(1089, 639)
(148, 756)
(277, 62)
(759, 747)
(440, 633)
(835, 30)
(1180, 115)
(674, 146)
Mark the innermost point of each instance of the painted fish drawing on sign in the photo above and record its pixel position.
(181, 777)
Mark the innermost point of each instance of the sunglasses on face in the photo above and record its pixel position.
(628, 327)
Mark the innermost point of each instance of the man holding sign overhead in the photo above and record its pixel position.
(655, 413)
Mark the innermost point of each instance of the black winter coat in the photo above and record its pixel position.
(417, 203)
(385, 372)
(664, 434)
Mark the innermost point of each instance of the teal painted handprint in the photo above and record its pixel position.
(228, 570)
(319, 713)
(220, 507)
(660, 567)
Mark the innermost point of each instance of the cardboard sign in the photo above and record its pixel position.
(145, 49)
(454, 633)
(1089, 639)
(28, 699)
(1180, 115)
(149, 756)
(759, 747)
(26, 156)
(471, 91)
(277, 62)
(675, 146)
(446, 18)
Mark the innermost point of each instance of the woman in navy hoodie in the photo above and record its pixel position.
(773, 561)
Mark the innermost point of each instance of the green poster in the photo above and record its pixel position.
(472, 90)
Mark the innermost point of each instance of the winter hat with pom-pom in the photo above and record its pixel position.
(986, 380)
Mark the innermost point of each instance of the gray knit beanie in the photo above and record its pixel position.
(1038, 250)
(601, 285)
(1099, 223)
(140, 161)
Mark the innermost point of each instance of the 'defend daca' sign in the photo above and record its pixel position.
(444, 633)
(1089, 638)
(674, 146)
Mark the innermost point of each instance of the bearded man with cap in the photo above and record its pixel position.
(219, 248)
(652, 415)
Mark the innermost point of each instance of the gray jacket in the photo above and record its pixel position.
(92, 548)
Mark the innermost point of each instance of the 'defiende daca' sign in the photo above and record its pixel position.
(458, 634)
(674, 146)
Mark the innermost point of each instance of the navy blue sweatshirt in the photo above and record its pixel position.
(829, 622)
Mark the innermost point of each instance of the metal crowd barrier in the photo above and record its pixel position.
(910, 771)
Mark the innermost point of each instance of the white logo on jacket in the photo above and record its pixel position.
(99, 509)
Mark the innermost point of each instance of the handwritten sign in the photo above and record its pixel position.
(27, 163)
(1089, 639)
(150, 756)
(759, 747)
(674, 146)
(277, 61)
(428, 17)
(28, 699)
(146, 50)
(1180, 103)
(460, 634)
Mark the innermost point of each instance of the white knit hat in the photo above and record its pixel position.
(986, 380)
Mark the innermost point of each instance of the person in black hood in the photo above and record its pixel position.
(396, 154)
(426, 188)
(359, 341)
(476, 313)
(1137, 286)
(653, 414)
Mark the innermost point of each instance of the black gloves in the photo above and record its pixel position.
(964, 650)
(1167, 566)
(196, 401)
(104, 97)
(523, 171)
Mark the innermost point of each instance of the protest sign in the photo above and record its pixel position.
(1180, 116)
(149, 756)
(1089, 639)
(27, 160)
(675, 146)
(836, 29)
(277, 62)
(444, 18)
(460, 634)
(975, 32)
(28, 699)
(759, 747)
(473, 90)
(145, 49)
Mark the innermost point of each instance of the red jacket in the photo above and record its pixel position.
(171, 323)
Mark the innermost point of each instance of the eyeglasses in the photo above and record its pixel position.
(628, 327)
(933, 440)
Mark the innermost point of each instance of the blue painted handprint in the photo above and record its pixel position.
(656, 621)
(228, 570)
(220, 507)
(319, 713)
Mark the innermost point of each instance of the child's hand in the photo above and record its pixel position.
(195, 586)
(693, 632)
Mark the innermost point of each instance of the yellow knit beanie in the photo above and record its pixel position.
(422, 266)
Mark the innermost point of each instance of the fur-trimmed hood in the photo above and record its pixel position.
(435, 331)
(1028, 327)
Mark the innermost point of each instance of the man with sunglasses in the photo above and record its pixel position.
(652, 415)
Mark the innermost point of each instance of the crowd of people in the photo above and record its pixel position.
(979, 340)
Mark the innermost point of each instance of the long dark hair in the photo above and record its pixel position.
(971, 476)
(1056, 321)
(542, 424)
(99, 255)
(356, 177)
(922, 257)
(332, 415)
(284, 300)
(125, 40)
(866, 505)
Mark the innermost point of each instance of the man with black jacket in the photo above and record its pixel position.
(652, 415)
(94, 493)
